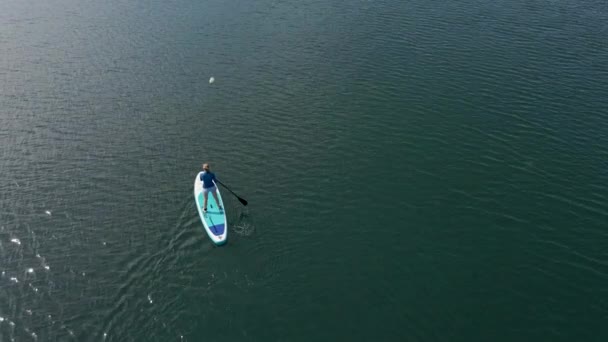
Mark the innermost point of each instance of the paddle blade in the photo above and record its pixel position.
(242, 200)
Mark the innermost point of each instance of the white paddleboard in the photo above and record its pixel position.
(214, 220)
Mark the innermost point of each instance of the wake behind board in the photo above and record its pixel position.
(214, 220)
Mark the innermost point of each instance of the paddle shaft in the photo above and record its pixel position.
(243, 201)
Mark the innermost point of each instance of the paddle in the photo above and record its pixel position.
(242, 200)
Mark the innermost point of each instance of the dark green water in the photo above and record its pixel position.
(416, 170)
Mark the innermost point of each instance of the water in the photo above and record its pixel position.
(416, 170)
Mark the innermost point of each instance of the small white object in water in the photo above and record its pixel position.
(17, 241)
(103, 243)
(211, 80)
(30, 270)
(12, 324)
(1, 319)
(83, 274)
(3, 273)
(150, 299)
(28, 311)
(48, 212)
(13, 279)
(105, 335)
(46, 267)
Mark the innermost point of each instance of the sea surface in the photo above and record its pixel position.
(416, 170)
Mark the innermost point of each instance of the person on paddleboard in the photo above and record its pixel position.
(208, 179)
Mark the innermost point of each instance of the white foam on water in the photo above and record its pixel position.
(244, 229)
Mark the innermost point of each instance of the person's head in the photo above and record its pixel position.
(206, 167)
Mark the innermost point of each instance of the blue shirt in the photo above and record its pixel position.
(207, 178)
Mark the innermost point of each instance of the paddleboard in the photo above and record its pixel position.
(213, 220)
